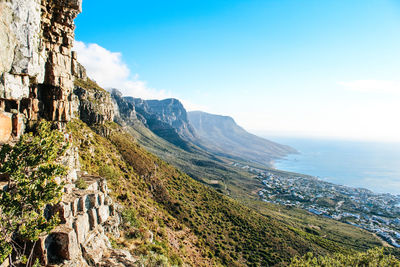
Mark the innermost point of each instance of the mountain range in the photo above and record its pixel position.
(215, 134)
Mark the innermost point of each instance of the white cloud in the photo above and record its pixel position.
(109, 71)
(373, 86)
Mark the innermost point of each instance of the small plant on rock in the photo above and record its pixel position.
(81, 184)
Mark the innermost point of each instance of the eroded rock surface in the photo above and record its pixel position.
(36, 63)
(95, 105)
(88, 216)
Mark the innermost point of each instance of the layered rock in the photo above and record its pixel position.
(88, 216)
(125, 112)
(37, 73)
(36, 63)
(166, 118)
(95, 105)
(169, 111)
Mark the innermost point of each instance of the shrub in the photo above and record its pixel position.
(81, 184)
(129, 216)
(31, 172)
(371, 258)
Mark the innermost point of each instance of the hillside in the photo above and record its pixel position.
(167, 202)
(222, 136)
(198, 163)
(240, 184)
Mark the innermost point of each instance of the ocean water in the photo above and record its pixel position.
(375, 166)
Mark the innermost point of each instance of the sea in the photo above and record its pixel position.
(371, 165)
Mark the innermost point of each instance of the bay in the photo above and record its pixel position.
(371, 165)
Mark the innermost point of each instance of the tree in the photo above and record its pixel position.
(31, 169)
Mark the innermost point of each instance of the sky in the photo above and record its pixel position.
(279, 67)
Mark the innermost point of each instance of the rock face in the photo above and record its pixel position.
(87, 217)
(166, 118)
(5, 127)
(95, 106)
(36, 63)
(37, 73)
(124, 110)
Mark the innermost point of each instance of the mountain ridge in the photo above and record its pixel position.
(223, 136)
(169, 119)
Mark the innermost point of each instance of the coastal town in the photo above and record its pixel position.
(377, 213)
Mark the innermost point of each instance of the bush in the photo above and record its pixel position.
(31, 171)
(81, 184)
(129, 216)
(371, 258)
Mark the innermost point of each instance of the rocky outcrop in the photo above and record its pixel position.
(169, 111)
(88, 216)
(37, 73)
(95, 105)
(36, 63)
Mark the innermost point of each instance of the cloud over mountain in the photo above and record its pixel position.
(109, 70)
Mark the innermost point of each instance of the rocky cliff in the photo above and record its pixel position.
(40, 78)
(88, 216)
(36, 62)
(125, 112)
(166, 118)
(95, 105)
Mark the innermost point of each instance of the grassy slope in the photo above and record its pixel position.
(192, 222)
(200, 165)
(241, 185)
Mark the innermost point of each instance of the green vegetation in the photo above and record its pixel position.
(197, 164)
(81, 183)
(371, 258)
(30, 169)
(194, 223)
(142, 216)
(243, 187)
(88, 84)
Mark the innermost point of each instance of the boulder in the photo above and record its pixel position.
(62, 243)
(94, 247)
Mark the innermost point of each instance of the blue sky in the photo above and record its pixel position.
(315, 68)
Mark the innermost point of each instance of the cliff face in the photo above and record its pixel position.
(36, 62)
(37, 73)
(166, 118)
(124, 110)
